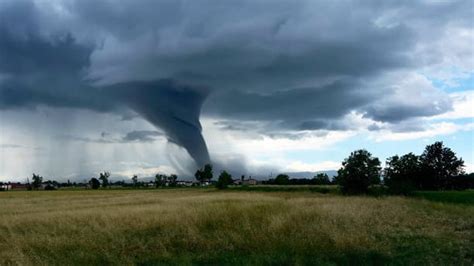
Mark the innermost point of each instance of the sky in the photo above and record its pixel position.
(254, 87)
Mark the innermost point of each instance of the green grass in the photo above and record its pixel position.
(460, 197)
(334, 189)
(233, 227)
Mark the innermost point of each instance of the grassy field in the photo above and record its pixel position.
(235, 227)
(462, 197)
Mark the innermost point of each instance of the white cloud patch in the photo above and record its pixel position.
(298, 166)
(432, 130)
(463, 106)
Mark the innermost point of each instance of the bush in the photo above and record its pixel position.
(378, 190)
(49, 187)
(282, 179)
(462, 182)
(94, 183)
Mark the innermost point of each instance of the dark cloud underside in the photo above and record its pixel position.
(301, 65)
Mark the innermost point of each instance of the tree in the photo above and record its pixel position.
(321, 179)
(94, 183)
(401, 174)
(172, 180)
(160, 180)
(282, 179)
(37, 180)
(438, 165)
(462, 182)
(50, 185)
(225, 179)
(204, 174)
(104, 177)
(358, 172)
(135, 180)
(28, 185)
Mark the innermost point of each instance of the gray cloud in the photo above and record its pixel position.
(295, 66)
(10, 146)
(86, 139)
(142, 136)
(139, 136)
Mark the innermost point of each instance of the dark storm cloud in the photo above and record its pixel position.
(291, 65)
(398, 113)
(86, 139)
(142, 136)
(49, 71)
(37, 69)
(138, 136)
(301, 109)
(173, 107)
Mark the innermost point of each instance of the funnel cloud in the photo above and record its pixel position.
(269, 71)
(172, 107)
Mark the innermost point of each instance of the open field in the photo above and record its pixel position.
(461, 197)
(205, 226)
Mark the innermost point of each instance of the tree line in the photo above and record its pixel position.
(437, 168)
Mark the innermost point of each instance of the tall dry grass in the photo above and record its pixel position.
(205, 226)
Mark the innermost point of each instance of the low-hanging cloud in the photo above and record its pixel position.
(295, 66)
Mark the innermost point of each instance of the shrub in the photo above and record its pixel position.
(378, 190)
(94, 183)
(282, 179)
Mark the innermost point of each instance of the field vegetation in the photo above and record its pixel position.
(234, 227)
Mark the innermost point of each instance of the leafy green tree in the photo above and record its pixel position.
(358, 172)
(282, 179)
(135, 180)
(204, 174)
(104, 177)
(401, 174)
(94, 183)
(37, 180)
(321, 179)
(160, 180)
(172, 180)
(438, 165)
(225, 179)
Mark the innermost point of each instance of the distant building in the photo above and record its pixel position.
(13, 186)
(249, 182)
(246, 182)
(205, 183)
(185, 183)
(5, 187)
